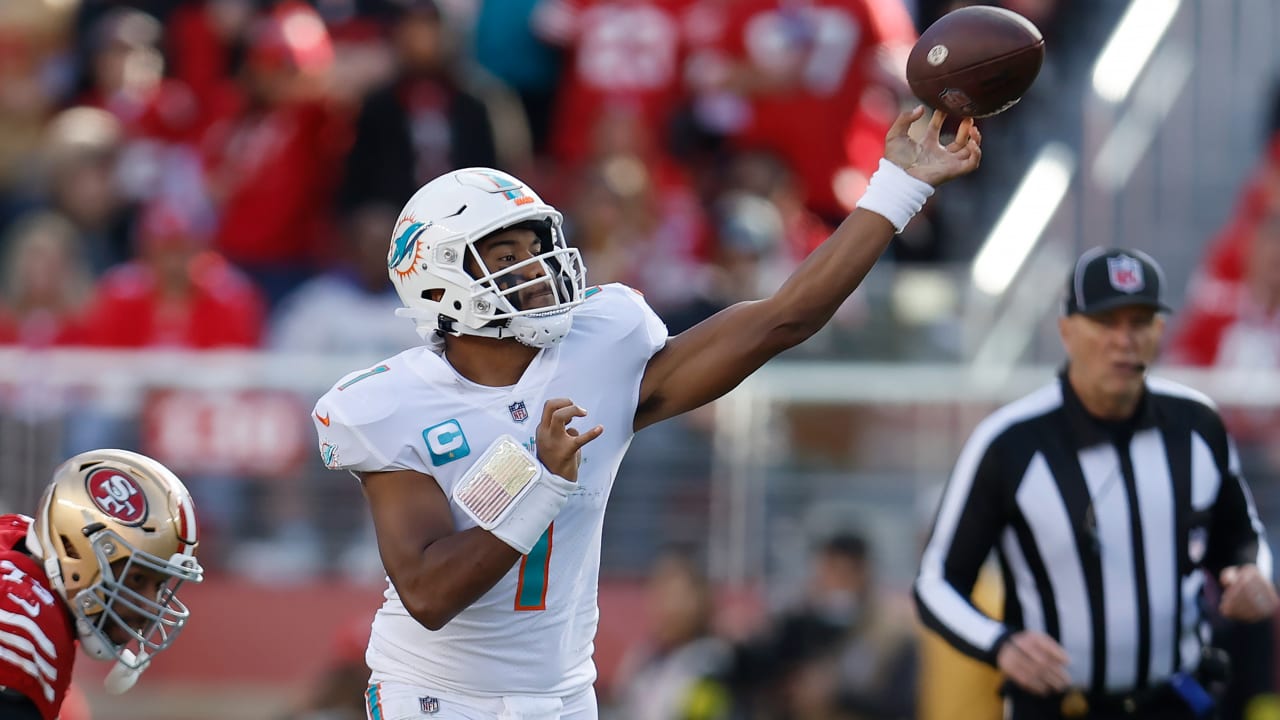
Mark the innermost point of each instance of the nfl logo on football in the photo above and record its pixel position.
(429, 705)
(518, 411)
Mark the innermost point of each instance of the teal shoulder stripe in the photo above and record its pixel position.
(362, 376)
(593, 290)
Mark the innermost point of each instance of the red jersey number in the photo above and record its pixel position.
(37, 643)
(814, 44)
(628, 49)
(24, 593)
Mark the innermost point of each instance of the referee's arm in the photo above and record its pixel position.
(1236, 536)
(969, 521)
(1237, 552)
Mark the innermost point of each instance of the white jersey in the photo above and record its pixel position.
(532, 633)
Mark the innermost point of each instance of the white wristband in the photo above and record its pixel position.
(510, 494)
(895, 195)
(524, 526)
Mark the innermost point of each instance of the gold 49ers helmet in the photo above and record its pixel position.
(106, 516)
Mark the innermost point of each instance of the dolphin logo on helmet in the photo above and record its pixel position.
(404, 244)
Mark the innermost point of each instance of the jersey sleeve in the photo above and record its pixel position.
(356, 423)
(633, 311)
(37, 650)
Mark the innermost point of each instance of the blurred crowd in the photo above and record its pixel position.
(213, 174)
(224, 173)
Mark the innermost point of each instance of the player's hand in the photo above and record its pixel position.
(560, 446)
(1247, 595)
(928, 159)
(1035, 662)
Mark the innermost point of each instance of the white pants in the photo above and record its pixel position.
(398, 701)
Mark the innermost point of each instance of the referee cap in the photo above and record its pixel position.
(1106, 278)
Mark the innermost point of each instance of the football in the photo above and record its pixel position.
(976, 61)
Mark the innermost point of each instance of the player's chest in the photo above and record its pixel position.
(450, 442)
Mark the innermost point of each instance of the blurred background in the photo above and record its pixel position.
(196, 199)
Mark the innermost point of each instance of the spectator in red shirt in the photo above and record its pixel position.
(272, 169)
(815, 82)
(624, 57)
(202, 43)
(1232, 319)
(160, 117)
(46, 283)
(126, 78)
(177, 293)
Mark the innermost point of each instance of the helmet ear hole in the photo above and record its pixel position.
(68, 548)
(434, 295)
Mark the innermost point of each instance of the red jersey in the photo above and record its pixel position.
(1217, 296)
(37, 641)
(626, 57)
(223, 310)
(41, 329)
(829, 60)
(168, 112)
(275, 172)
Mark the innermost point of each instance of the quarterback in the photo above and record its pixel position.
(487, 455)
(113, 538)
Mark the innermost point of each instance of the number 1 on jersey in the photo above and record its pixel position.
(531, 590)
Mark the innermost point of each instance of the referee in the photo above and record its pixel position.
(1111, 499)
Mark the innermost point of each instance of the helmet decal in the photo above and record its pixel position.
(495, 183)
(405, 248)
(186, 519)
(117, 495)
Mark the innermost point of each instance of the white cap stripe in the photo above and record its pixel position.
(1081, 264)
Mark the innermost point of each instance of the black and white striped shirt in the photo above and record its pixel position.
(1103, 531)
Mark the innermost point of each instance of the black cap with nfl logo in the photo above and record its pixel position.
(1106, 278)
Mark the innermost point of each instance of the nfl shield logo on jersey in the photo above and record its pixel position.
(429, 705)
(518, 411)
(1125, 274)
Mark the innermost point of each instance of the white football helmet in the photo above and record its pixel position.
(105, 515)
(436, 234)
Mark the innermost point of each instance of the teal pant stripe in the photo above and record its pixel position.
(374, 703)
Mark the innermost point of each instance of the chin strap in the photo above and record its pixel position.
(125, 672)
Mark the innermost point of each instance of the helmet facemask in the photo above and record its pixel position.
(531, 296)
(148, 622)
(503, 302)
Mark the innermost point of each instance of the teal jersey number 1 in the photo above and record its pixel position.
(531, 591)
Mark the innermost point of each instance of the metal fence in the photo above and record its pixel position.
(800, 448)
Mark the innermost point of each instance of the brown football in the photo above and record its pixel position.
(976, 61)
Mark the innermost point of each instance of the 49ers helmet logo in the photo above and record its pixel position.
(117, 495)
